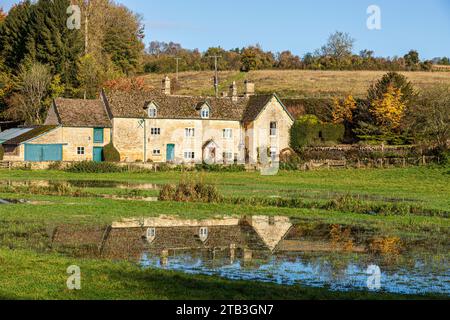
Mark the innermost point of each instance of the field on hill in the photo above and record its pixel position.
(294, 83)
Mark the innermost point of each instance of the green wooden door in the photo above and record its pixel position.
(43, 152)
(170, 153)
(98, 154)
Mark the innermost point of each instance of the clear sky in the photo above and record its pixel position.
(298, 25)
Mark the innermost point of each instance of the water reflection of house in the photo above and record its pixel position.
(232, 237)
(247, 238)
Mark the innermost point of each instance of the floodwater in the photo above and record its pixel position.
(273, 249)
(12, 201)
(81, 184)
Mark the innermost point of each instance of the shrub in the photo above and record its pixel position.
(2, 152)
(333, 132)
(94, 167)
(220, 168)
(309, 131)
(190, 192)
(57, 165)
(110, 153)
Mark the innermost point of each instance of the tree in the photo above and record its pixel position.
(343, 111)
(429, 119)
(14, 35)
(412, 59)
(254, 58)
(389, 110)
(339, 46)
(2, 15)
(123, 39)
(90, 76)
(376, 91)
(286, 60)
(28, 103)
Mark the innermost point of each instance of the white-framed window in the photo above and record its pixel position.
(228, 155)
(203, 233)
(204, 112)
(189, 132)
(189, 155)
(273, 128)
(152, 111)
(80, 150)
(155, 131)
(227, 133)
(156, 152)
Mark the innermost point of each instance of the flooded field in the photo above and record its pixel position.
(80, 184)
(268, 249)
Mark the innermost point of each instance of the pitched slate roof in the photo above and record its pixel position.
(133, 104)
(256, 105)
(12, 133)
(33, 133)
(81, 113)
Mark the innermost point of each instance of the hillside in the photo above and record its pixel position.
(294, 83)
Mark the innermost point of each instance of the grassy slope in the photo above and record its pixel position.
(296, 83)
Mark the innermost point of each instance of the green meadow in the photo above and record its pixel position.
(32, 270)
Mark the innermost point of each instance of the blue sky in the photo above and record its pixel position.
(298, 25)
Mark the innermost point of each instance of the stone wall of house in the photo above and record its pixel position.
(16, 154)
(258, 132)
(72, 138)
(129, 137)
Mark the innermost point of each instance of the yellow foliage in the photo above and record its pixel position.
(389, 110)
(343, 111)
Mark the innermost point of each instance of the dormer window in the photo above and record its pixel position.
(152, 110)
(203, 234)
(204, 112)
(150, 235)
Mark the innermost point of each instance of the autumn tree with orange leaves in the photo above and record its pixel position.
(343, 110)
(389, 110)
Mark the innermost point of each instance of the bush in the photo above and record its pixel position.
(190, 192)
(2, 152)
(333, 132)
(57, 165)
(94, 167)
(310, 131)
(220, 168)
(110, 153)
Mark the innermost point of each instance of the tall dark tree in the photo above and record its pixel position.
(14, 33)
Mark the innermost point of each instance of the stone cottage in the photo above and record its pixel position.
(156, 126)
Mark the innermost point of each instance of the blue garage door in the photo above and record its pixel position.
(43, 152)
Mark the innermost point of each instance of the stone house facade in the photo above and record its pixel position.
(156, 126)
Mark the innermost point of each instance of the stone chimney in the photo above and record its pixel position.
(233, 91)
(166, 85)
(249, 88)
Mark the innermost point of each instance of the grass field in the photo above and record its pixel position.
(295, 83)
(25, 257)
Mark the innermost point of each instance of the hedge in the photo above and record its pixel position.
(2, 152)
(310, 131)
(110, 153)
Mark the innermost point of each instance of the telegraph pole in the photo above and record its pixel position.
(178, 59)
(216, 74)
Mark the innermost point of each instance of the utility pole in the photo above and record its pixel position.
(87, 5)
(216, 74)
(178, 59)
